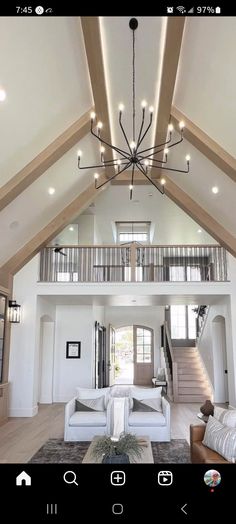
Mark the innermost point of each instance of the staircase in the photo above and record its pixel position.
(192, 384)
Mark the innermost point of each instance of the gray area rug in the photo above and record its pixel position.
(56, 451)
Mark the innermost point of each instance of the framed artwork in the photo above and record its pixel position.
(73, 349)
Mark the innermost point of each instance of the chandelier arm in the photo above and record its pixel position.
(141, 128)
(171, 169)
(120, 151)
(132, 183)
(114, 176)
(141, 158)
(158, 145)
(160, 150)
(150, 180)
(125, 136)
(115, 161)
(144, 134)
(112, 164)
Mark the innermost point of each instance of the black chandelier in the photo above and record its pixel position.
(135, 157)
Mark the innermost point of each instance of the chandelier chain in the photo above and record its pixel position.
(133, 85)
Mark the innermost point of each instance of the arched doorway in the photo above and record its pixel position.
(134, 355)
(220, 360)
(46, 360)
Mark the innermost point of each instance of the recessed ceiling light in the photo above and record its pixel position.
(3, 95)
(150, 194)
(14, 224)
(51, 190)
(199, 230)
(71, 228)
(215, 190)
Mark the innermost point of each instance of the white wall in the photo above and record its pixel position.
(23, 349)
(86, 229)
(151, 317)
(170, 225)
(73, 323)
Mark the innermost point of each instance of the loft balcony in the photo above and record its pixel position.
(133, 263)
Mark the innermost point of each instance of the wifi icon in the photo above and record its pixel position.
(181, 9)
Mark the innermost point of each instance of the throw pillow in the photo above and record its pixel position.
(144, 394)
(226, 416)
(153, 404)
(87, 393)
(90, 404)
(220, 438)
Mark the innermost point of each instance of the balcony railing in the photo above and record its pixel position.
(134, 263)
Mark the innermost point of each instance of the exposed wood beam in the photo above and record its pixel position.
(208, 147)
(197, 213)
(93, 47)
(44, 160)
(41, 239)
(5, 282)
(173, 41)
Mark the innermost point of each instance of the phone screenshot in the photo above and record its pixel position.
(117, 263)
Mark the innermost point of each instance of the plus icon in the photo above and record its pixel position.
(117, 478)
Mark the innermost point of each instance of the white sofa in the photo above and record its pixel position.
(84, 425)
(154, 424)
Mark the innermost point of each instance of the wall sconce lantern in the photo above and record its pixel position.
(13, 311)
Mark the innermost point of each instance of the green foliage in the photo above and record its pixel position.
(127, 443)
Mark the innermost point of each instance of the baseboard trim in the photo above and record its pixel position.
(63, 399)
(23, 412)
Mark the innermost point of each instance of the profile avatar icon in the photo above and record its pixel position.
(212, 478)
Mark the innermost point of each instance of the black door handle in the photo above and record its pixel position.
(226, 371)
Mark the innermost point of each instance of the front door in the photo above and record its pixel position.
(111, 361)
(143, 356)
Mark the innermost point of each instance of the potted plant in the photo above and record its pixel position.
(120, 450)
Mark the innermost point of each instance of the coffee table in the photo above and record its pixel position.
(147, 456)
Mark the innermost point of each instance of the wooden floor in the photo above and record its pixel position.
(20, 438)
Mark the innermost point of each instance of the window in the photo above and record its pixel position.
(144, 345)
(133, 232)
(183, 322)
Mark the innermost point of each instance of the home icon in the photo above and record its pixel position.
(23, 479)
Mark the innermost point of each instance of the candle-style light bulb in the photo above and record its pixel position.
(79, 154)
(130, 191)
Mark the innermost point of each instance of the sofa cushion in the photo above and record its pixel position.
(90, 404)
(83, 418)
(220, 438)
(86, 393)
(202, 454)
(152, 404)
(225, 416)
(146, 419)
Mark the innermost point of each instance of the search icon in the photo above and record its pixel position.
(70, 477)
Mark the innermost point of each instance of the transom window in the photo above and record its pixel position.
(133, 232)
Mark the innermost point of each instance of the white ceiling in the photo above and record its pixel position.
(171, 224)
(44, 71)
(206, 82)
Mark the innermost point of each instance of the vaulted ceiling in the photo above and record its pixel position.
(56, 70)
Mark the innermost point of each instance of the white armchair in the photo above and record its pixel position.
(155, 424)
(84, 425)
